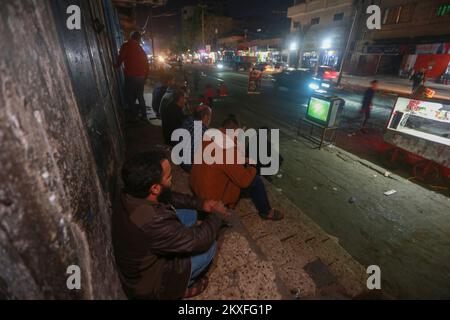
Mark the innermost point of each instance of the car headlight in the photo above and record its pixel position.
(220, 66)
(313, 86)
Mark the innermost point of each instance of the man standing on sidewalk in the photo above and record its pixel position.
(367, 103)
(417, 78)
(136, 73)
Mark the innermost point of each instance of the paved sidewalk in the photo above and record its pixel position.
(289, 259)
(396, 85)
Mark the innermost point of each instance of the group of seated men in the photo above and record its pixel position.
(162, 249)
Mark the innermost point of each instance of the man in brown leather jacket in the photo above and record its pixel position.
(160, 248)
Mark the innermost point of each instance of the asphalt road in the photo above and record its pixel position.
(406, 234)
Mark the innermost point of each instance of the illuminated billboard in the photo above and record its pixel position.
(421, 127)
(422, 119)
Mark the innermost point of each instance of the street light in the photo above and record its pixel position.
(326, 44)
(293, 46)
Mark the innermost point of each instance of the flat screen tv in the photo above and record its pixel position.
(324, 110)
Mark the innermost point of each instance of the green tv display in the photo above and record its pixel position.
(318, 110)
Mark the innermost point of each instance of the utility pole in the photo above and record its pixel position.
(151, 32)
(302, 32)
(203, 24)
(150, 18)
(347, 46)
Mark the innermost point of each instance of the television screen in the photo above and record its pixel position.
(318, 110)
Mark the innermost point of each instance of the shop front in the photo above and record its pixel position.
(309, 59)
(404, 59)
(433, 58)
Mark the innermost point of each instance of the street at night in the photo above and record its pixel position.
(266, 153)
(375, 229)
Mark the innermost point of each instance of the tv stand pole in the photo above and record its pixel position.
(323, 134)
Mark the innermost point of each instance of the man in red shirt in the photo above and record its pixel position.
(136, 73)
(209, 95)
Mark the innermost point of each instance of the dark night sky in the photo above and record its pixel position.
(243, 8)
(273, 13)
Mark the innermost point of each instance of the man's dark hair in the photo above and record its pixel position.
(178, 93)
(141, 172)
(201, 111)
(374, 82)
(167, 78)
(231, 122)
(136, 35)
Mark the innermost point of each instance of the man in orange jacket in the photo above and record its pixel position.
(136, 73)
(228, 182)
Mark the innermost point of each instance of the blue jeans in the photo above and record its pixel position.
(258, 194)
(199, 262)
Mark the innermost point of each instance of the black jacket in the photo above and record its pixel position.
(158, 94)
(172, 118)
(153, 249)
(368, 97)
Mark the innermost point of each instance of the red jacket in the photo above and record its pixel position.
(134, 58)
(210, 93)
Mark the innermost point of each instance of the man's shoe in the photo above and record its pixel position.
(197, 288)
(226, 224)
(274, 215)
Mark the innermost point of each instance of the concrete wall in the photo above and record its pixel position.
(55, 193)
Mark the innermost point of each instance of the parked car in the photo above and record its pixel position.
(244, 62)
(327, 73)
(301, 81)
(223, 66)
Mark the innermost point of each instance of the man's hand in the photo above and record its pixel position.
(215, 206)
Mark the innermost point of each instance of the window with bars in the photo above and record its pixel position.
(338, 17)
(392, 15)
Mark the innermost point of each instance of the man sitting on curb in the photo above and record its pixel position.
(227, 182)
(159, 92)
(160, 250)
(201, 113)
(172, 116)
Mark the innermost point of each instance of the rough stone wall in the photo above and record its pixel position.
(53, 210)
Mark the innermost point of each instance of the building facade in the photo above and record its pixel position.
(414, 35)
(318, 31)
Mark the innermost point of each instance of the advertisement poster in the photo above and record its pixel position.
(254, 82)
(421, 127)
(422, 119)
